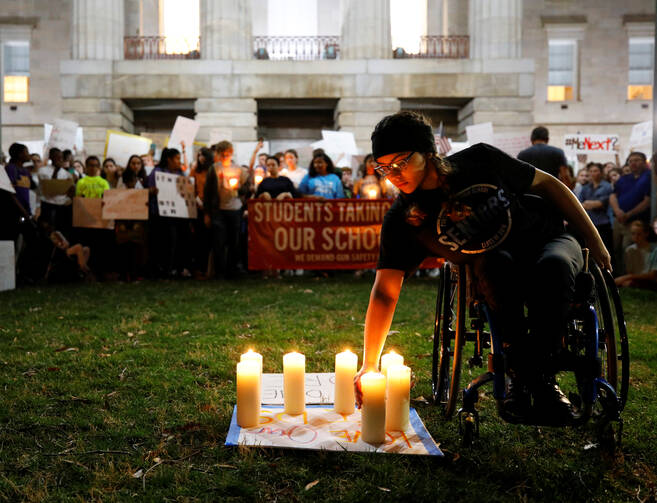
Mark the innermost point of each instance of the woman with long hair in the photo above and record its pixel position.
(321, 182)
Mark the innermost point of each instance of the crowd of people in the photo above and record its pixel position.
(214, 244)
(48, 246)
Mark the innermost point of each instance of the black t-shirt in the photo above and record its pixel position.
(276, 186)
(544, 157)
(482, 205)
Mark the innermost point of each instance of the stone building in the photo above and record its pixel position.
(572, 65)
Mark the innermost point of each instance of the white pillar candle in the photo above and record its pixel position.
(248, 394)
(294, 383)
(391, 358)
(346, 364)
(398, 397)
(373, 412)
(251, 355)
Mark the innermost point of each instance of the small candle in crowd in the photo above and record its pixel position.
(251, 355)
(248, 394)
(258, 179)
(346, 364)
(371, 193)
(294, 383)
(398, 397)
(373, 411)
(391, 358)
(233, 182)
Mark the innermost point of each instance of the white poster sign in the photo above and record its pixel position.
(641, 134)
(590, 143)
(512, 143)
(35, 146)
(63, 134)
(184, 130)
(7, 265)
(175, 196)
(480, 133)
(5, 182)
(120, 146)
(243, 150)
(220, 134)
(319, 388)
(340, 142)
(320, 428)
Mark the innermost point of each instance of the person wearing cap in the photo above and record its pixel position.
(480, 207)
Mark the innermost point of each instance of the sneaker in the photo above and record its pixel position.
(551, 402)
(517, 402)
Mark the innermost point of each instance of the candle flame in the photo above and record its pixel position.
(258, 179)
(372, 193)
(233, 182)
(392, 352)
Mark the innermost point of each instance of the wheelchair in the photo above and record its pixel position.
(595, 350)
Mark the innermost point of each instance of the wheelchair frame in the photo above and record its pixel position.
(595, 347)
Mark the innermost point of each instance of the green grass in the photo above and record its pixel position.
(151, 376)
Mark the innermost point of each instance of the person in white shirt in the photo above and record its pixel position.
(56, 209)
(292, 171)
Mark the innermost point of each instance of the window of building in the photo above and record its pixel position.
(562, 70)
(181, 26)
(641, 59)
(16, 71)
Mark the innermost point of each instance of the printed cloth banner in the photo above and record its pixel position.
(321, 428)
(320, 388)
(306, 234)
(589, 143)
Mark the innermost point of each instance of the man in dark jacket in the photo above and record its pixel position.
(545, 157)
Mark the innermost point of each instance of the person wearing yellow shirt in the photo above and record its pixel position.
(92, 185)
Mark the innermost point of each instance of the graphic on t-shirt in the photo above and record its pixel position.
(475, 220)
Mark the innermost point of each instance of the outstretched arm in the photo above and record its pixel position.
(380, 311)
(558, 194)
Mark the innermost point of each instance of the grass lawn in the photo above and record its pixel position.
(99, 380)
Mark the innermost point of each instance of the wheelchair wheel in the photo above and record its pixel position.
(448, 338)
(613, 342)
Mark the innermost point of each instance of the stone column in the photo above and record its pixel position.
(237, 114)
(436, 22)
(366, 30)
(97, 29)
(495, 29)
(226, 31)
(360, 115)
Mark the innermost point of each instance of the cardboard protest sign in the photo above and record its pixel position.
(7, 265)
(63, 134)
(320, 428)
(59, 187)
(175, 196)
(319, 388)
(220, 134)
(88, 213)
(184, 130)
(480, 133)
(125, 204)
(243, 150)
(120, 146)
(641, 134)
(512, 143)
(5, 182)
(590, 143)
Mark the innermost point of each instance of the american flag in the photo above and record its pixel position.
(442, 143)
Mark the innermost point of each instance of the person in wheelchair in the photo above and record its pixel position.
(505, 219)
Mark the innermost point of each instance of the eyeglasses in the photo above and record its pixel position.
(394, 167)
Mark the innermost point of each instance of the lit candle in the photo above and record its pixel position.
(233, 183)
(373, 412)
(345, 371)
(391, 358)
(294, 383)
(371, 193)
(248, 394)
(398, 397)
(251, 355)
(258, 179)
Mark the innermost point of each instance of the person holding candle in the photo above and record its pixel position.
(225, 185)
(371, 184)
(461, 208)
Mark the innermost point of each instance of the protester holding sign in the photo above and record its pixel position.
(57, 189)
(321, 182)
(473, 207)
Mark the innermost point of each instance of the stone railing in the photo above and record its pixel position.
(439, 47)
(160, 48)
(296, 48)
